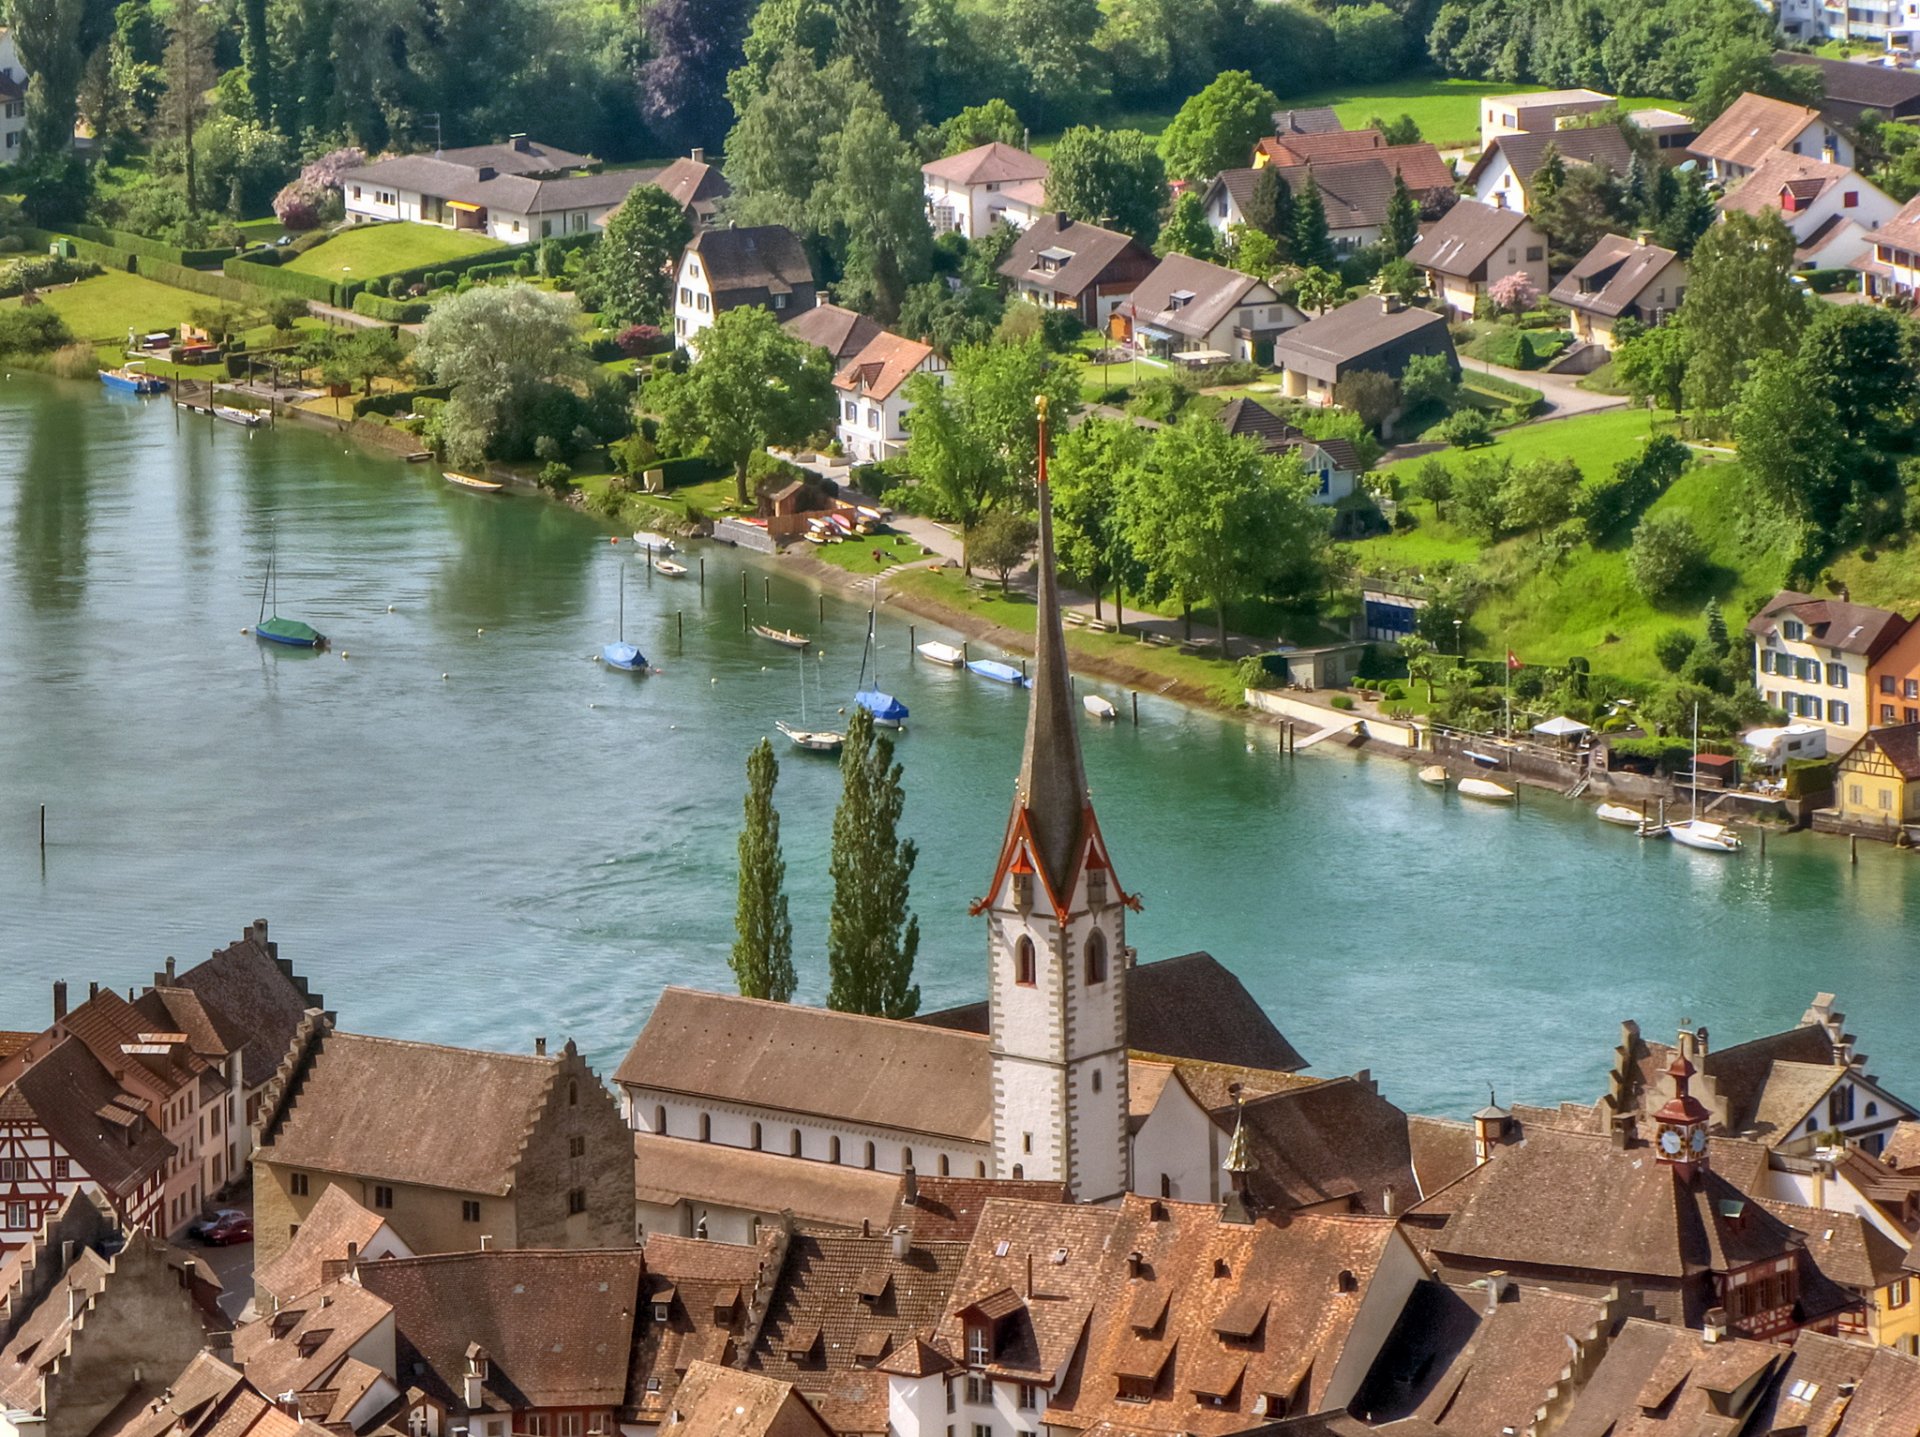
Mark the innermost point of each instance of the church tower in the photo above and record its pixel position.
(1057, 941)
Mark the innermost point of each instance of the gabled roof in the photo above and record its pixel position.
(298, 1348)
(1610, 278)
(883, 365)
(718, 1401)
(1832, 623)
(1750, 129)
(706, 1289)
(39, 1343)
(1356, 329)
(691, 181)
(1327, 144)
(1462, 240)
(253, 993)
(1310, 120)
(674, 1170)
(768, 257)
(1852, 86)
(993, 163)
(1237, 183)
(1902, 1152)
(500, 189)
(877, 1072)
(1207, 295)
(557, 1326)
(1086, 254)
(1248, 419)
(521, 156)
(1654, 1379)
(1846, 1248)
(1601, 145)
(949, 1209)
(1332, 1141)
(1806, 177)
(75, 1099)
(1836, 1388)
(1903, 230)
(334, 1224)
(206, 1399)
(843, 333)
(124, 1040)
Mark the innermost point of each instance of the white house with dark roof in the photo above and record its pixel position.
(1374, 332)
(1204, 313)
(841, 332)
(1503, 175)
(518, 192)
(1064, 263)
(1474, 245)
(1333, 464)
(971, 192)
(1618, 279)
(13, 100)
(723, 269)
(872, 397)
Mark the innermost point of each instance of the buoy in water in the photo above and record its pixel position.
(443, 676)
(479, 631)
(389, 608)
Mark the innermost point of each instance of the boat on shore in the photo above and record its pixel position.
(659, 544)
(789, 637)
(1619, 813)
(245, 418)
(945, 655)
(469, 481)
(1484, 789)
(1435, 774)
(132, 378)
(670, 569)
(1099, 707)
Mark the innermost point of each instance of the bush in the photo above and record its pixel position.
(76, 361)
(1666, 556)
(556, 478)
(38, 271)
(396, 287)
(1341, 702)
(552, 259)
(32, 329)
(1395, 691)
(1810, 777)
(390, 311)
(1651, 755)
(1252, 673)
(1467, 428)
(1370, 394)
(638, 340)
(1673, 648)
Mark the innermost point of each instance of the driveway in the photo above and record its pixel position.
(1565, 398)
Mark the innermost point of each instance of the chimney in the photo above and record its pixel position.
(902, 1243)
(59, 999)
(170, 971)
(258, 931)
(1700, 1041)
(1643, 238)
(1063, 219)
(93, 991)
(1622, 1132)
(1029, 1288)
(699, 155)
(1391, 304)
(540, 1047)
(520, 145)
(909, 1185)
(1498, 1286)
(1714, 1329)
(866, 1227)
(1136, 1260)
(485, 172)
(353, 1256)
(1386, 1202)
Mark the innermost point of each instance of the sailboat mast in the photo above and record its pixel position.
(623, 603)
(1696, 761)
(265, 580)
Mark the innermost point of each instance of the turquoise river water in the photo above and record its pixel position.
(534, 845)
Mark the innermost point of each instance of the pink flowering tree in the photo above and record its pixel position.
(310, 199)
(1514, 293)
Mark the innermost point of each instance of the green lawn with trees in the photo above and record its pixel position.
(104, 308)
(366, 251)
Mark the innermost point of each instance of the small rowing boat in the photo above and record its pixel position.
(782, 636)
(1481, 788)
(1000, 673)
(1099, 707)
(1434, 774)
(670, 569)
(1619, 813)
(945, 655)
(469, 481)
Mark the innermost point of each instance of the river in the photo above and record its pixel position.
(464, 830)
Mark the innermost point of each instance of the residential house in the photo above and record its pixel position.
(1849, 88)
(1535, 111)
(524, 1150)
(696, 185)
(1355, 189)
(843, 333)
(1812, 657)
(716, 1192)
(1892, 270)
(1503, 175)
(1894, 679)
(1296, 149)
(1670, 130)
(1205, 313)
(206, 1398)
(971, 192)
(722, 1402)
(1374, 332)
(1063, 263)
(1753, 127)
(1853, 1255)
(1227, 197)
(723, 269)
(1312, 120)
(873, 401)
(1333, 464)
(1471, 246)
(1877, 783)
(1841, 1388)
(1646, 1379)
(519, 192)
(13, 100)
(337, 1234)
(700, 1301)
(1618, 279)
(1830, 210)
(1846, 1183)
(334, 1351)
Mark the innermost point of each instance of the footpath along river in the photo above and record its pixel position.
(534, 845)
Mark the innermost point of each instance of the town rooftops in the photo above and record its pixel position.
(715, 1401)
(883, 365)
(1190, 296)
(877, 1072)
(1847, 1248)
(768, 257)
(454, 1118)
(1462, 240)
(1601, 145)
(335, 1227)
(1329, 1144)
(301, 1345)
(1322, 346)
(110, 1135)
(1610, 278)
(1833, 1387)
(1898, 743)
(1326, 145)
(1068, 256)
(1902, 232)
(1750, 129)
(693, 181)
(949, 1209)
(1313, 120)
(843, 333)
(206, 1399)
(673, 1170)
(993, 163)
(1831, 623)
(1852, 87)
(254, 992)
(1350, 178)
(706, 1291)
(38, 1343)
(1653, 1378)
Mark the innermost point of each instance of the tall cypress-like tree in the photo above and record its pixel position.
(1270, 208)
(1312, 245)
(1403, 218)
(874, 34)
(763, 946)
(257, 56)
(871, 937)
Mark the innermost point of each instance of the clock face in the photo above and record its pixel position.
(1670, 1142)
(1698, 1141)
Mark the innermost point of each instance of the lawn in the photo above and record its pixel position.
(1147, 122)
(367, 251)
(1446, 110)
(856, 555)
(1596, 442)
(105, 307)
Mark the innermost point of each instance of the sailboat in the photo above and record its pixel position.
(620, 654)
(887, 710)
(276, 630)
(802, 737)
(1698, 832)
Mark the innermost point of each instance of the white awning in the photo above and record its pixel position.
(1562, 727)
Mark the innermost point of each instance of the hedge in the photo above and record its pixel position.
(151, 249)
(1811, 777)
(289, 281)
(199, 281)
(496, 262)
(690, 469)
(105, 256)
(403, 401)
(390, 311)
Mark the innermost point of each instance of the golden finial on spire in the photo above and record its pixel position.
(1240, 1158)
(1040, 403)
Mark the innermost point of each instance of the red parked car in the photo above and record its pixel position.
(224, 1228)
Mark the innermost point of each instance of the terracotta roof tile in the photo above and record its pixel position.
(843, 333)
(1610, 278)
(1832, 623)
(883, 365)
(717, 1401)
(1601, 145)
(1305, 149)
(251, 993)
(991, 163)
(1208, 295)
(1442, 1150)
(948, 1209)
(1657, 1379)
(1902, 1151)
(1462, 240)
(1843, 1245)
(1750, 129)
(297, 1348)
(702, 1285)
(206, 1399)
(68, 1090)
(1899, 744)
(335, 1223)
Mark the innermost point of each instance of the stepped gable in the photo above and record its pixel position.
(179, 1010)
(335, 1225)
(456, 1118)
(556, 1326)
(713, 1294)
(1187, 1007)
(255, 995)
(41, 1339)
(949, 1209)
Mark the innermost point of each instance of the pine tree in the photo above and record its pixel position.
(1548, 178)
(1270, 208)
(763, 948)
(871, 937)
(1403, 218)
(1311, 243)
(1717, 637)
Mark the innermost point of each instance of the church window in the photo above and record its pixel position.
(706, 1127)
(1023, 962)
(793, 1143)
(946, 1168)
(869, 1154)
(755, 1142)
(833, 1150)
(1026, 1142)
(660, 1118)
(1096, 957)
(980, 1168)
(906, 1158)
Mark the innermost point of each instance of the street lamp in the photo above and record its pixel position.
(1457, 650)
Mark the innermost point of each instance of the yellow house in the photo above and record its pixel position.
(1878, 780)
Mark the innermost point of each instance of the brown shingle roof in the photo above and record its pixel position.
(1442, 1151)
(1210, 293)
(702, 1285)
(717, 1401)
(1601, 145)
(1751, 128)
(1309, 120)
(1835, 1388)
(1899, 743)
(843, 333)
(948, 1209)
(883, 365)
(123, 1039)
(179, 1010)
(1326, 144)
(1656, 1379)
(1852, 86)
(335, 1223)
(1331, 1141)
(993, 163)
(1902, 1151)
(786, 1057)
(452, 1118)
(689, 181)
(1462, 240)
(1803, 175)
(1832, 623)
(1610, 278)
(67, 1090)
(672, 1170)
(754, 257)
(206, 1399)
(557, 1327)
(298, 1348)
(1089, 255)
(38, 1344)
(1846, 1247)
(1324, 345)
(1249, 419)
(252, 993)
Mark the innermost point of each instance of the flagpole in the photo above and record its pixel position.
(1509, 667)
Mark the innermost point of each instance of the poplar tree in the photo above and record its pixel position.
(1312, 245)
(763, 948)
(871, 937)
(1403, 218)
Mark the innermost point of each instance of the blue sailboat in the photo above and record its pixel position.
(620, 654)
(887, 710)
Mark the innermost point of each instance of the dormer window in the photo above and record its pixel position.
(1792, 630)
(1179, 299)
(979, 1345)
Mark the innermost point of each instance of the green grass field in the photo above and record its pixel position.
(372, 250)
(1596, 442)
(1447, 111)
(108, 305)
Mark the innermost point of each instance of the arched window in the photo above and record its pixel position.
(906, 1158)
(660, 1118)
(869, 1154)
(833, 1150)
(793, 1143)
(1023, 965)
(756, 1137)
(573, 1093)
(1097, 1080)
(706, 1128)
(1019, 1172)
(1096, 957)
(1873, 1110)
(980, 1169)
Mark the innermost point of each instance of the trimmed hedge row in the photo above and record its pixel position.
(487, 264)
(151, 249)
(105, 256)
(289, 281)
(255, 268)
(200, 281)
(392, 311)
(400, 402)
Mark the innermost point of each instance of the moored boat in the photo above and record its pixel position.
(887, 710)
(670, 569)
(789, 637)
(245, 418)
(132, 378)
(1705, 835)
(288, 633)
(945, 655)
(1000, 673)
(1099, 707)
(620, 654)
(1484, 789)
(1619, 813)
(812, 740)
(1434, 774)
(658, 543)
(469, 481)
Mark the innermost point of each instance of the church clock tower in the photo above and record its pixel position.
(1680, 1131)
(1057, 941)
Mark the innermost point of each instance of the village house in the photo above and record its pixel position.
(842, 333)
(1537, 110)
(1877, 784)
(699, 1301)
(13, 100)
(723, 269)
(1471, 246)
(1504, 173)
(993, 184)
(518, 192)
(1812, 657)
(695, 185)
(334, 1351)
(1618, 279)
(1063, 263)
(1704, 1379)
(337, 1233)
(1374, 332)
(1310, 120)
(1201, 313)
(1227, 198)
(1877, 1204)
(873, 402)
(1754, 127)
(1849, 89)
(1894, 680)
(1297, 149)
(722, 1402)
(1830, 210)
(206, 1398)
(1840, 1388)
(1892, 270)
(1852, 1255)
(1356, 189)
(1333, 464)
(522, 1150)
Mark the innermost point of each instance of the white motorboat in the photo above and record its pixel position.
(812, 740)
(946, 655)
(1435, 774)
(670, 569)
(1486, 789)
(1100, 708)
(1619, 813)
(657, 543)
(245, 418)
(1704, 834)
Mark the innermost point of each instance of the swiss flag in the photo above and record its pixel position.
(1513, 662)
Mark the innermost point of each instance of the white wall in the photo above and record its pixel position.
(1498, 184)
(692, 302)
(1381, 1304)
(13, 113)
(1177, 1151)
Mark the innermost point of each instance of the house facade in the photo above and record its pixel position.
(1187, 307)
(1332, 464)
(1064, 263)
(1540, 110)
(1474, 245)
(519, 192)
(1753, 127)
(1618, 279)
(723, 269)
(1829, 209)
(13, 100)
(872, 395)
(1894, 678)
(1878, 779)
(1503, 175)
(1812, 658)
(971, 192)
(1892, 267)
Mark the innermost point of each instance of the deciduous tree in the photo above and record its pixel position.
(1187, 231)
(1666, 556)
(762, 958)
(496, 347)
(1001, 542)
(872, 937)
(629, 273)
(1091, 467)
(1113, 178)
(1741, 302)
(683, 87)
(976, 125)
(1217, 129)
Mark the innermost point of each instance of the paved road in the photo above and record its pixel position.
(1563, 393)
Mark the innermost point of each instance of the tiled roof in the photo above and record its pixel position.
(69, 1091)
(1832, 623)
(1462, 240)
(753, 257)
(1327, 144)
(993, 163)
(877, 1072)
(517, 157)
(1803, 175)
(1237, 183)
(206, 1399)
(1903, 230)
(1845, 1246)
(1332, 1141)
(1192, 1006)
(38, 1344)
(451, 1118)
(450, 178)
(298, 1348)
(1836, 1388)
(123, 1039)
(706, 1288)
(1089, 254)
(1355, 191)
(557, 1326)
(1208, 294)
(718, 1401)
(1899, 744)
(1601, 145)
(1857, 85)
(1309, 120)
(1791, 1092)
(1657, 1379)
(948, 1209)
(253, 994)
(1902, 1151)
(672, 1170)
(1351, 332)
(179, 1010)
(1750, 129)
(843, 333)
(14, 1042)
(335, 1223)
(690, 181)
(1442, 1150)
(883, 365)
(1610, 278)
